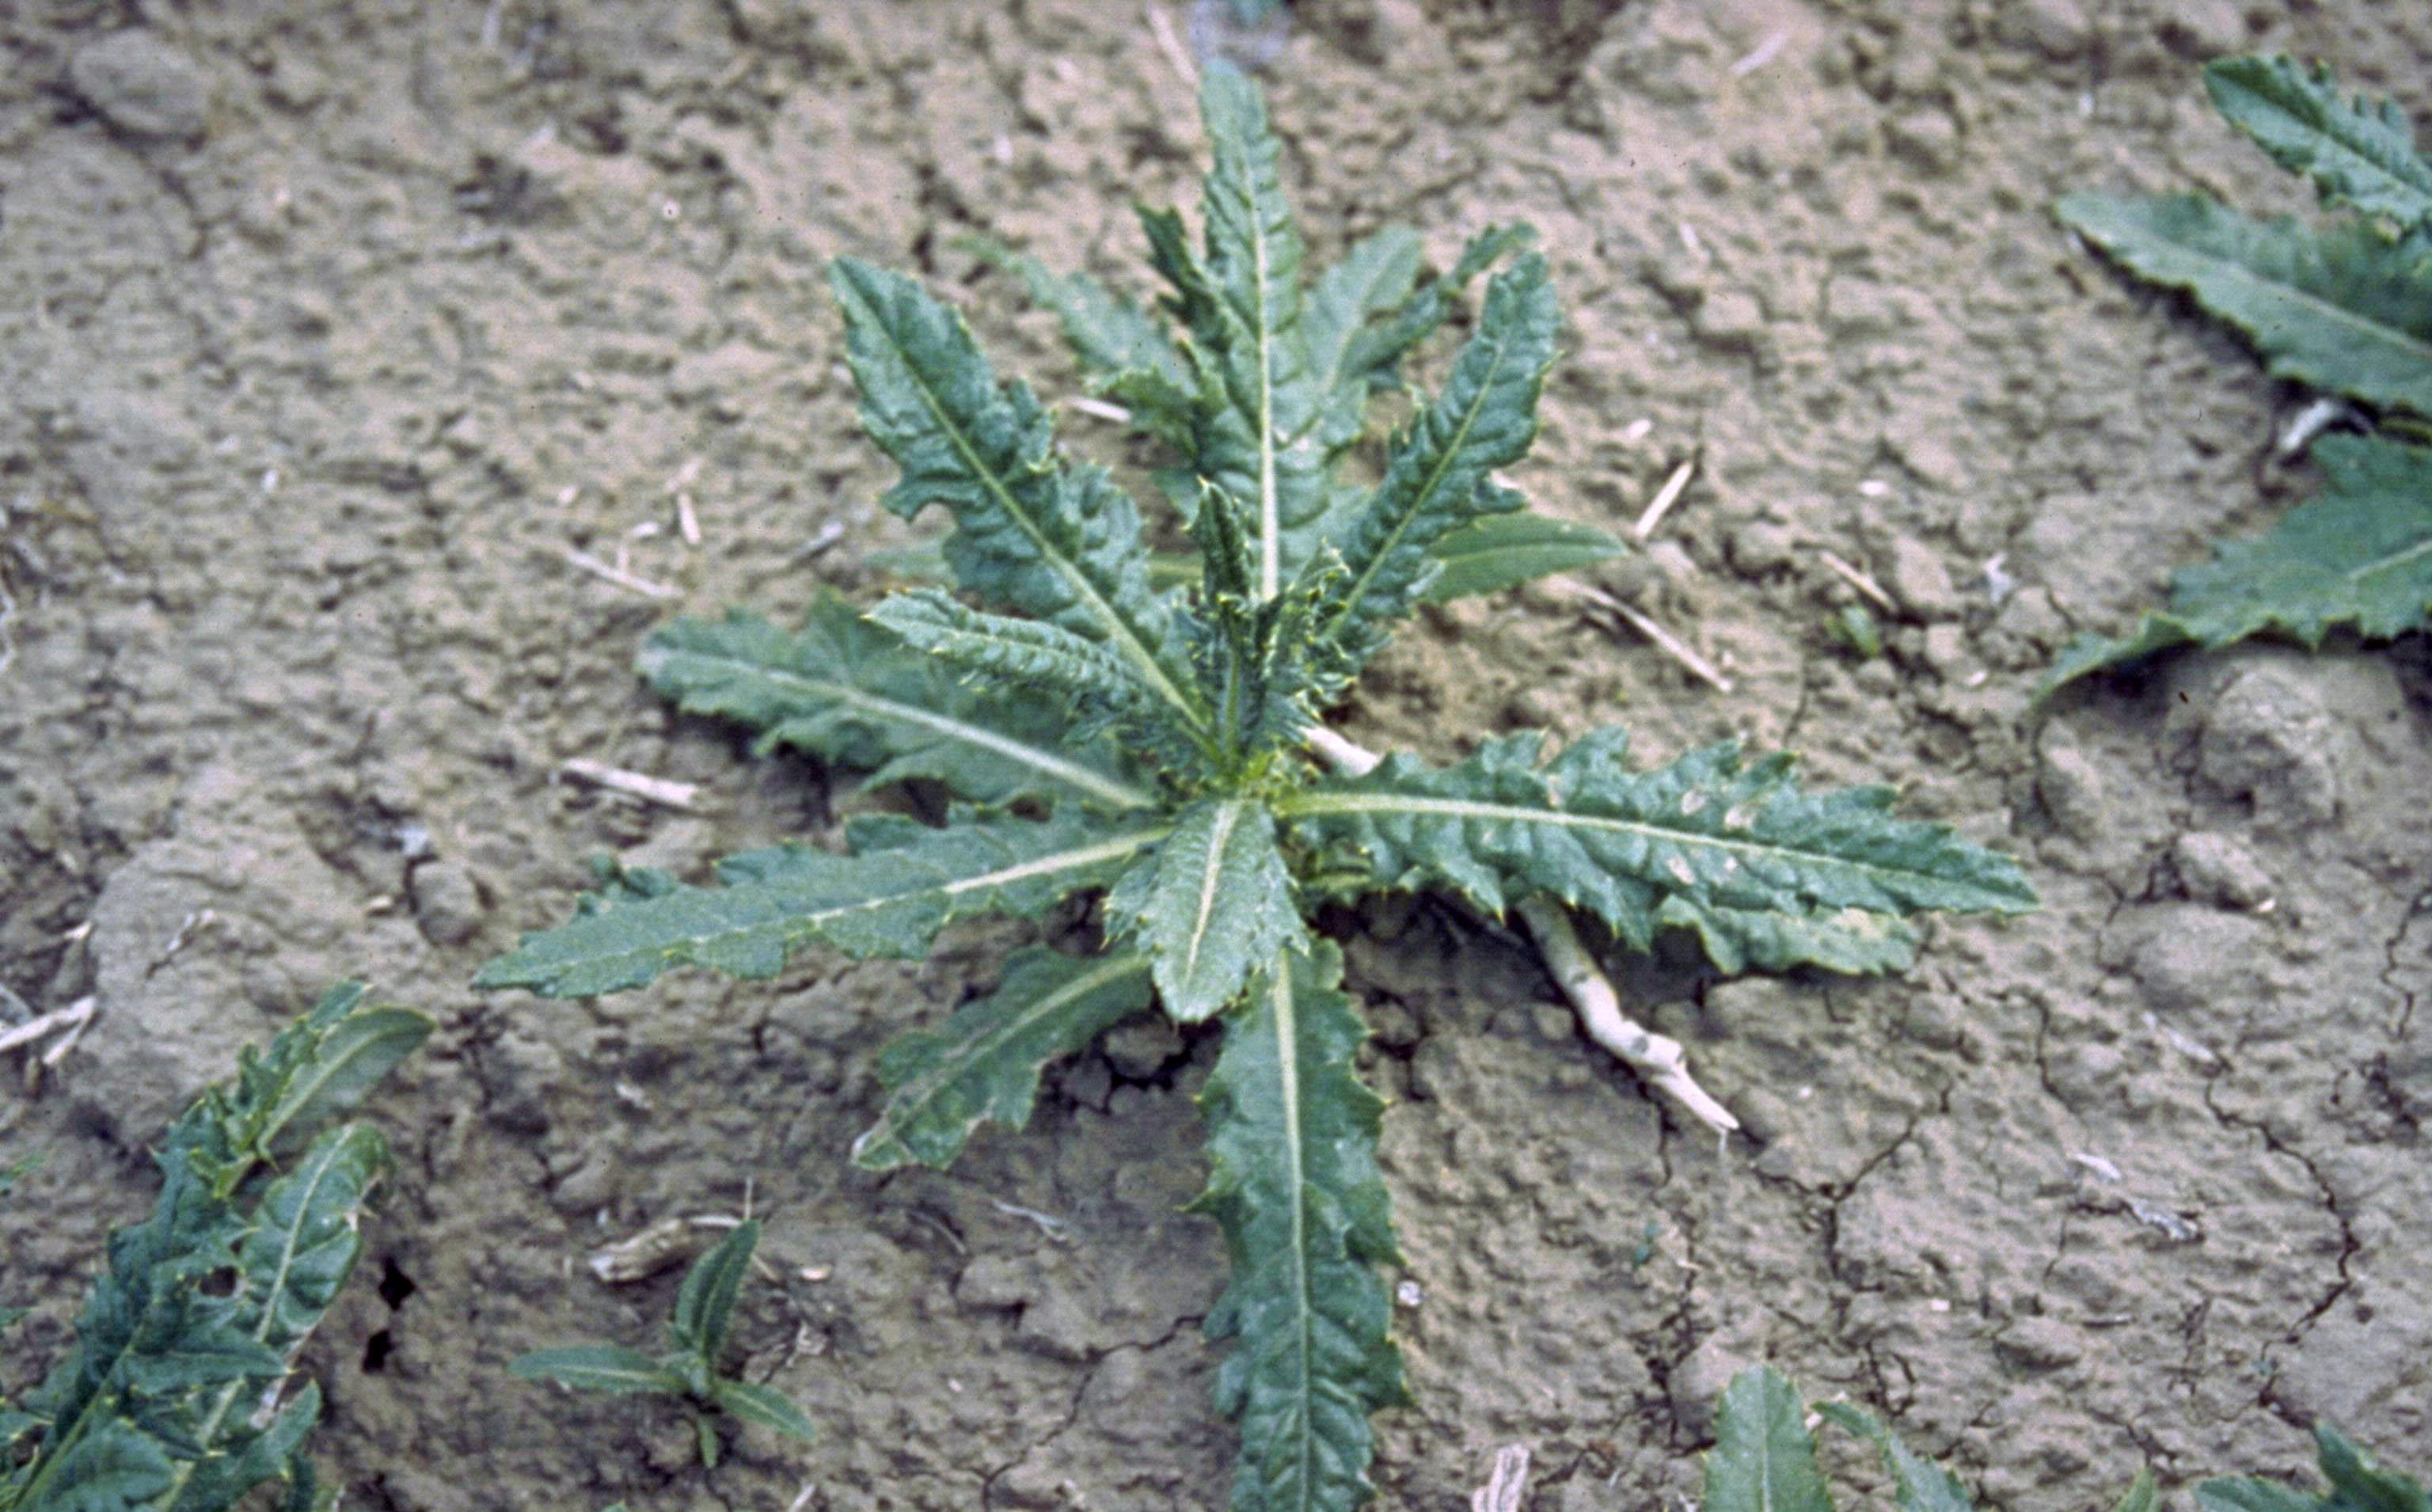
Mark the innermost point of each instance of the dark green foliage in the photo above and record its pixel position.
(2346, 309)
(689, 1369)
(196, 1323)
(1151, 723)
(1763, 1460)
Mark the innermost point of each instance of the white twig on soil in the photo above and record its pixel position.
(1505, 1484)
(1169, 41)
(1857, 577)
(1762, 54)
(1658, 1061)
(1100, 408)
(622, 578)
(664, 791)
(1657, 636)
(73, 1016)
(1665, 497)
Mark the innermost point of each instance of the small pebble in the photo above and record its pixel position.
(141, 85)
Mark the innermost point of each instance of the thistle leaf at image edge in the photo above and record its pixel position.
(1494, 552)
(983, 1064)
(2358, 555)
(2359, 152)
(1291, 1144)
(2341, 309)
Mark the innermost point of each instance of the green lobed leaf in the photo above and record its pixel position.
(1499, 551)
(1764, 1459)
(2359, 152)
(983, 1063)
(1919, 1484)
(1291, 1143)
(1209, 907)
(1435, 482)
(2342, 310)
(2140, 1495)
(846, 691)
(1254, 264)
(750, 1401)
(1042, 658)
(1108, 333)
(1849, 940)
(1031, 535)
(157, 1405)
(705, 1299)
(1372, 356)
(2356, 1484)
(904, 883)
(609, 1368)
(1717, 832)
(2358, 555)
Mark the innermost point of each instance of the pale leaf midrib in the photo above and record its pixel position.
(1320, 804)
(2390, 563)
(1211, 874)
(932, 1084)
(1071, 773)
(1303, 1287)
(811, 924)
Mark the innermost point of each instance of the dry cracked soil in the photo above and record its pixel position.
(333, 327)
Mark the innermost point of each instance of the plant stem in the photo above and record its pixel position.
(1657, 1059)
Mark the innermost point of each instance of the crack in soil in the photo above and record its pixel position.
(1073, 1410)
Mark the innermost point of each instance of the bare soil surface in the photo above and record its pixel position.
(330, 329)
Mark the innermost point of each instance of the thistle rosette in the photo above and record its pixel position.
(1114, 727)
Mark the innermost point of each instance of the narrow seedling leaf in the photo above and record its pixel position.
(771, 903)
(2356, 1484)
(1764, 1459)
(609, 1367)
(705, 1300)
(750, 1401)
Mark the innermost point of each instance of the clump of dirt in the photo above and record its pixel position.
(341, 335)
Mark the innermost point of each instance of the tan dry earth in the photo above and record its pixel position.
(330, 328)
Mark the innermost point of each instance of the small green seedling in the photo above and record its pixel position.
(704, 1307)
(176, 1398)
(1763, 1460)
(2346, 309)
(1149, 746)
(1852, 626)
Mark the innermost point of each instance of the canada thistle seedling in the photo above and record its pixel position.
(697, 1331)
(2346, 309)
(1105, 737)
